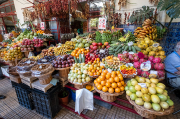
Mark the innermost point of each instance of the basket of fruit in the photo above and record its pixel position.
(149, 97)
(90, 87)
(110, 85)
(95, 68)
(128, 71)
(78, 75)
(63, 64)
(25, 65)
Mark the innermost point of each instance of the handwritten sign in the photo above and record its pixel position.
(42, 25)
(102, 23)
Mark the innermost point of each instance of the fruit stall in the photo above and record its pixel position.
(109, 63)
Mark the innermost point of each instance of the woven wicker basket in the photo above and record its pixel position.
(45, 78)
(108, 97)
(63, 72)
(44, 71)
(150, 113)
(80, 86)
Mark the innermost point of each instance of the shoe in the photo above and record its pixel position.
(2, 97)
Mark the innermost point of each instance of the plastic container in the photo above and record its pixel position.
(24, 95)
(47, 104)
(73, 95)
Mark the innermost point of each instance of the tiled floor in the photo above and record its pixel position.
(10, 108)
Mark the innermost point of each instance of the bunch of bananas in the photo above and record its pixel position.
(70, 43)
(63, 49)
(148, 30)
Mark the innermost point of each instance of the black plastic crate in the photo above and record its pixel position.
(47, 104)
(24, 95)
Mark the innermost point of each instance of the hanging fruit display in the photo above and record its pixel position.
(148, 30)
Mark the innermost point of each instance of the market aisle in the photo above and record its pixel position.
(10, 108)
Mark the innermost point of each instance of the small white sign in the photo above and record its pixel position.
(42, 25)
(153, 72)
(102, 23)
(109, 70)
(102, 51)
(143, 85)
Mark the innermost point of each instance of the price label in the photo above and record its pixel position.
(102, 64)
(109, 70)
(28, 62)
(153, 72)
(40, 67)
(143, 85)
(102, 51)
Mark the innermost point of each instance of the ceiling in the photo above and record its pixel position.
(2, 1)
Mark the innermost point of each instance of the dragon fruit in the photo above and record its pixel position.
(119, 55)
(137, 65)
(145, 74)
(145, 57)
(142, 60)
(131, 57)
(157, 60)
(125, 55)
(159, 66)
(152, 65)
(135, 54)
(136, 59)
(139, 72)
(151, 58)
(161, 74)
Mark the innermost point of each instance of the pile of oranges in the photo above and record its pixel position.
(40, 32)
(95, 68)
(78, 51)
(110, 82)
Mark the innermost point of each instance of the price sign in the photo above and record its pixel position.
(102, 23)
(143, 85)
(42, 25)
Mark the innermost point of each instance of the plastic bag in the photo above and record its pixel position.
(84, 100)
(30, 54)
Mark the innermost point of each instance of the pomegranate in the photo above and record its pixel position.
(136, 59)
(131, 57)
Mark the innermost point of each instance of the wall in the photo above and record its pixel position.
(19, 4)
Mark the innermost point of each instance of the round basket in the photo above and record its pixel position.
(150, 113)
(80, 86)
(63, 72)
(45, 78)
(108, 97)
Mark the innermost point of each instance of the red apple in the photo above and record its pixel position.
(95, 48)
(91, 46)
(99, 44)
(106, 43)
(108, 46)
(94, 44)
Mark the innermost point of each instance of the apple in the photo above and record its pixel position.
(108, 46)
(99, 44)
(94, 44)
(106, 43)
(91, 46)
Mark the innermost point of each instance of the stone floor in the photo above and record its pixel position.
(10, 108)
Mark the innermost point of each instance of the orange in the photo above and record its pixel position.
(102, 67)
(122, 82)
(105, 71)
(111, 80)
(90, 73)
(122, 88)
(97, 84)
(108, 75)
(116, 79)
(117, 90)
(99, 87)
(98, 80)
(104, 89)
(102, 77)
(119, 84)
(111, 90)
(98, 73)
(120, 77)
(108, 84)
(93, 71)
(95, 74)
(113, 76)
(95, 81)
(114, 85)
(108, 81)
(113, 73)
(103, 74)
(118, 72)
(103, 83)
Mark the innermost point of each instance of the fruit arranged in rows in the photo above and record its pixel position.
(95, 69)
(38, 42)
(79, 73)
(148, 30)
(27, 45)
(110, 82)
(127, 69)
(148, 93)
(63, 62)
(78, 51)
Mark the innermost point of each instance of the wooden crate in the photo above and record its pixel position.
(14, 78)
(44, 88)
(28, 78)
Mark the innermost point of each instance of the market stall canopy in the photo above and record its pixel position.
(2, 1)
